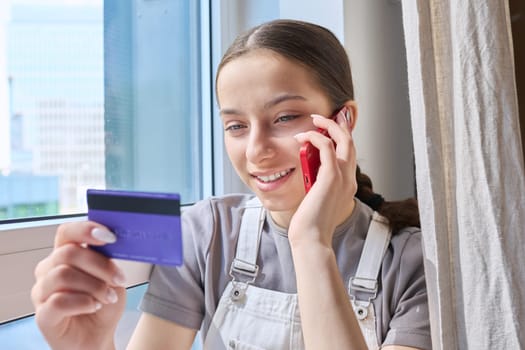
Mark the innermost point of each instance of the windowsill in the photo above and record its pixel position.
(27, 235)
(39, 221)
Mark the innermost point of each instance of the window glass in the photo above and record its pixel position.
(97, 94)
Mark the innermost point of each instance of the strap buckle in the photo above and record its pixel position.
(241, 267)
(363, 285)
(244, 268)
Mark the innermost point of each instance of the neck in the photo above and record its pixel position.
(283, 218)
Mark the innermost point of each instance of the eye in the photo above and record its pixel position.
(234, 128)
(287, 118)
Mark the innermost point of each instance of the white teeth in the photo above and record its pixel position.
(275, 176)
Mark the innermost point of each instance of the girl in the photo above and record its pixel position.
(283, 269)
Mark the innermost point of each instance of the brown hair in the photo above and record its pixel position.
(319, 50)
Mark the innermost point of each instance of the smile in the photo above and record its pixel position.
(274, 177)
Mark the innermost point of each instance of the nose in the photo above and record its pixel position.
(259, 146)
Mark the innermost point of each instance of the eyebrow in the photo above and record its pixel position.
(282, 98)
(273, 102)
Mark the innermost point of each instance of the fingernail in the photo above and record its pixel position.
(316, 115)
(299, 135)
(98, 306)
(103, 235)
(119, 279)
(111, 296)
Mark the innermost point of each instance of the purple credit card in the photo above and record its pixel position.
(147, 225)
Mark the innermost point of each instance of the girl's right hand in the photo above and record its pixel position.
(79, 294)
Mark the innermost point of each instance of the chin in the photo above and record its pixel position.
(278, 203)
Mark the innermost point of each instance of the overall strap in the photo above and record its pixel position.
(244, 268)
(376, 243)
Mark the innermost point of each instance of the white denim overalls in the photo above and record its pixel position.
(251, 318)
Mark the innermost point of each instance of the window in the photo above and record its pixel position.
(53, 66)
(101, 94)
(97, 95)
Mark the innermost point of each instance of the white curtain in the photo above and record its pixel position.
(469, 170)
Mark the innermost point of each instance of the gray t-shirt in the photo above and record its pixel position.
(189, 295)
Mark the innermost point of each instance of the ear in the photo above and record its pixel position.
(351, 105)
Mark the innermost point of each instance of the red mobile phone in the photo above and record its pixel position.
(310, 160)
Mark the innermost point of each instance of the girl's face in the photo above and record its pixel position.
(265, 99)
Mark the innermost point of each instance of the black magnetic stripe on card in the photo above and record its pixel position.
(146, 205)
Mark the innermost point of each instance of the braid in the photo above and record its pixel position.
(400, 214)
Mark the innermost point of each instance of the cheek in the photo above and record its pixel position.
(284, 147)
(291, 145)
(287, 147)
(235, 150)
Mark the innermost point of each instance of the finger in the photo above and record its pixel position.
(338, 128)
(343, 160)
(346, 151)
(340, 134)
(340, 163)
(83, 259)
(324, 144)
(63, 305)
(65, 278)
(344, 119)
(83, 232)
(339, 131)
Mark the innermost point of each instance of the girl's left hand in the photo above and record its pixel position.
(331, 198)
